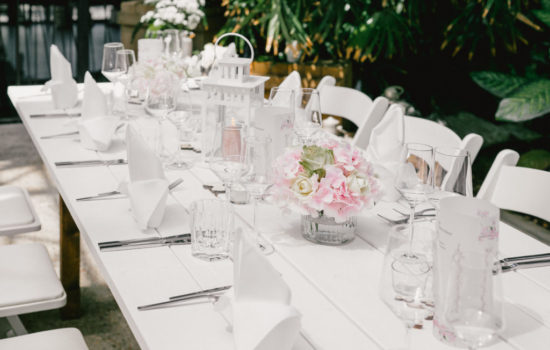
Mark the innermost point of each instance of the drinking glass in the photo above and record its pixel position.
(259, 172)
(186, 125)
(124, 60)
(109, 68)
(474, 302)
(408, 282)
(452, 174)
(414, 178)
(171, 39)
(227, 158)
(161, 97)
(211, 229)
(308, 118)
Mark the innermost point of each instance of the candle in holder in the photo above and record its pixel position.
(231, 139)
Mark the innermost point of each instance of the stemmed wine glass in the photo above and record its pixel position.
(109, 67)
(186, 125)
(308, 118)
(258, 172)
(474, 299)
(124, 60)
(414, 179)
(162, 99)
(452, 174)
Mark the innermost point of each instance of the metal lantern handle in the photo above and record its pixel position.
(238, 36)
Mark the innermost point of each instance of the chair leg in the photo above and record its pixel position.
(16, 325)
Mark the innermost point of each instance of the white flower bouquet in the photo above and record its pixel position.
(173, 14)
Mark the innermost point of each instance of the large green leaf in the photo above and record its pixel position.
(536, 159)
(528, 102)
(499, 84)
(464, 123)
(543, 16)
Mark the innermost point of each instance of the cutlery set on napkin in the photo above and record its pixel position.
(258, 305)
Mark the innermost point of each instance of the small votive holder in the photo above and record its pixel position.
(211, 229)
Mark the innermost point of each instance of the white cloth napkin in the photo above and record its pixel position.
(62, 85)
(148, 187)
(465, 225)
(291, 82)
(259, 306)
(96, 127)
(385, 149)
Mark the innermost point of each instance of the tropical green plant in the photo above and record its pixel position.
(522, 98)
(383, 29)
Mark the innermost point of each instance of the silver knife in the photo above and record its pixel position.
(143, 240)
(59, 135)
(152, 244)
(185, 297)
(522, 265)
(112, 194)
(91, 162)
(55, 115)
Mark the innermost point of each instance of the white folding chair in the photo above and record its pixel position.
(28, 279)
(345, 102)
(520, 189)
(419, 130)
(374, 116)
(327, 80)
(57, 339)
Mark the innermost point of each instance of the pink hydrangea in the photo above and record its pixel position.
(340, 189)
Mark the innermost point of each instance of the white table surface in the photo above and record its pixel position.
(335, 288)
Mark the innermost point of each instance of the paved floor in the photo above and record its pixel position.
(102, 323)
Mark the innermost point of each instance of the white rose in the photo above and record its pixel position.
(302, 187)
(357, 183)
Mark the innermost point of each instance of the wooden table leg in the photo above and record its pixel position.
(69, 244)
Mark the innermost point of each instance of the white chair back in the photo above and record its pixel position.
(419, 130)
(374, 116)
(515, 188)
(327, 80)
(345, 102)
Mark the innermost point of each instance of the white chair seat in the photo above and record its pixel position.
(57, 339)
(29, 281)
(18, 215)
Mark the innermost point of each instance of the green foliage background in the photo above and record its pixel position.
(478, 66)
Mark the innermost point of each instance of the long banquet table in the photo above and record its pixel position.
(335, 288)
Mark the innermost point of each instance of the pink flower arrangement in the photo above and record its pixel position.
(333, 180)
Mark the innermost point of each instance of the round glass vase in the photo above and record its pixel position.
(325, 230)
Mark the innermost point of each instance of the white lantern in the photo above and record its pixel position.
(230, 85)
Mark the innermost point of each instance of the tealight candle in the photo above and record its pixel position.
(231, 139)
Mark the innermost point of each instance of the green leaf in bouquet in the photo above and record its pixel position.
(499, 84)
(528, 102)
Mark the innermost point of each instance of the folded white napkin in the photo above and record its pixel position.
(291, 82)
(148, 187)
(385, 149)
(259, 306)
(62, 85)
(465, 225)
(96, 127)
